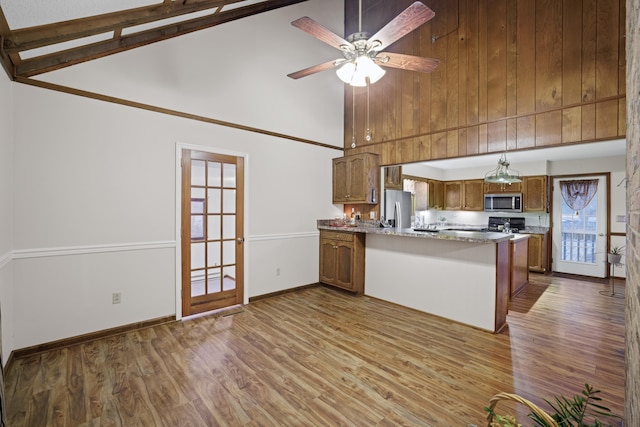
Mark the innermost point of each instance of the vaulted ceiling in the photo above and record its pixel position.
(37, 37)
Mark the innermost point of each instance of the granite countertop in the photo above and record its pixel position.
(372, 227)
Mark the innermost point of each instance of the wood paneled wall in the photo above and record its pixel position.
(515, 74)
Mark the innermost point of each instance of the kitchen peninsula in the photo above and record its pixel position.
(459, 275)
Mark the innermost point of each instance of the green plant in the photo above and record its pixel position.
(582, 410)
(616, 250)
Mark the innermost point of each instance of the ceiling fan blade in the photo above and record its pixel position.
(310, 26)
(406, 62)
(410, 19)
(314, 69)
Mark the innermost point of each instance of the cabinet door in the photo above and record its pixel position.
(436, 194)
(357, 179)
(344, 265)
(393, 178)
(535, 194)
(453, 195)
(328, 261)
(422, 195)
(537, 253)
(495, 188)
(340, 180)
(473, 195)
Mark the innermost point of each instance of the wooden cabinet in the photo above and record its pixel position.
(356, 179)
(473, 195)
(464, 195)
(342, 260)
(519, 264)
(453, 195)
(538, 252)
(495, 188)
(393, 178)
(436, 194)
(534, 189)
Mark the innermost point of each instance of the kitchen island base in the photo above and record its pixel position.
(465, 282)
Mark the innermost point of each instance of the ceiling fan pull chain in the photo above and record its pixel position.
(353, 120)
(367, 135)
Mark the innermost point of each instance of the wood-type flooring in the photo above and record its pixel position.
(320, 357)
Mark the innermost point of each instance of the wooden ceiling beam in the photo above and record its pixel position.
(59, 32)
(54, 61)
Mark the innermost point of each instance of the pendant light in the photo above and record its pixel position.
(502, 174)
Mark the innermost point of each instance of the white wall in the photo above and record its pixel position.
(6, 215)
(95, 182)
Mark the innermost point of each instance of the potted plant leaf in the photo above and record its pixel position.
(583, 410)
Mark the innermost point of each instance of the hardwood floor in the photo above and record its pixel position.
(320, 357)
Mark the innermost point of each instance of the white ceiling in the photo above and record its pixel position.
(569, 152)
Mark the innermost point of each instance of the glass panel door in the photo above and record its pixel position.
(212, 249)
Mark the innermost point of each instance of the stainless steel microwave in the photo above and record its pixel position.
(503, 202)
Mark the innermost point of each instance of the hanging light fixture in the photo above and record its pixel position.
(502, 174)
(357, 71)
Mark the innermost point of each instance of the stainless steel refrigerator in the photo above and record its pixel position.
(397, 208)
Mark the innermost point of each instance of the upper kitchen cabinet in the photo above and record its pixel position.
(436, 194)
(535, 194)
(393, 178)
(473, 195)
(453, 195)
(495, 188)
(356, 179)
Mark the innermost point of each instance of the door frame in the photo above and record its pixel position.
(178, 216)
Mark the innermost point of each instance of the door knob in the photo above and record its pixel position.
(240, 240)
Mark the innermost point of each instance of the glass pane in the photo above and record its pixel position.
(229, 229)
(213, 281)
(197, 283)
(578, 233)
(229, 278)
(213, 227)
(197, 205)
(229, 252)
(229, 202)
(197, 172)
(213, 255)
(213, 201)
(229, 175)
(197, 227)
(197, 255)
(197, 194)
(214, 177)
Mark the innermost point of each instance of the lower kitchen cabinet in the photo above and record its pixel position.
(342, 260)
(518, 264)
(538, 253)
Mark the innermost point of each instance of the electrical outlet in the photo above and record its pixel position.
(116, 298)
(278, 271)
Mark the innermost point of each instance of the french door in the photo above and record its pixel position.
(579, 235)
(212, 231)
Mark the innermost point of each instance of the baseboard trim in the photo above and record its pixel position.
(285, 291)
(81, 339)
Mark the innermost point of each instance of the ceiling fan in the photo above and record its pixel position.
(363, 55)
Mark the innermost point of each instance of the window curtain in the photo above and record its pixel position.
(578, 193)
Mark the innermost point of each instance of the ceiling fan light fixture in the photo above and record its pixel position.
(357, 71)
(502, 174)
(346, 71)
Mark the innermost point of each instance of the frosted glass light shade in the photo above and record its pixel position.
(356, 72)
